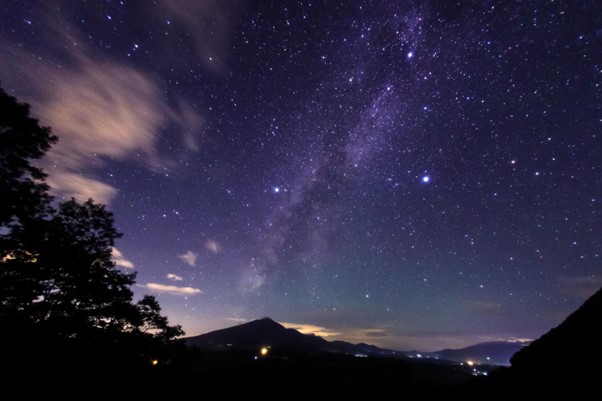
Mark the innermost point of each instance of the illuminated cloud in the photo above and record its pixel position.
(189, 258)
(311, 329)
(120, 260)
(235, 319)
(99, 109)
(174, 277)
(172, 289)
(375, 336)
(103, 110)
(66, 184)
(212, 246)
(524, 341)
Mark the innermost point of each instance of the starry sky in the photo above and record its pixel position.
(411, 174)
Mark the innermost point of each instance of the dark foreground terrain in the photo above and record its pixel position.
(563, 361)
(239, 373)
(305, 373)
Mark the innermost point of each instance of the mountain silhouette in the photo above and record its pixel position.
(576, 341)
(256, 334)
(268, 333)
(566, 357)
(489, 353)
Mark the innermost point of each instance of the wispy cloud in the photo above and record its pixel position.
(207, 28)
(511, 339)
(235, 319)
(311, 329)
(189, 258)
(375, 333)
(120, 260)
(172, 289)
(490, 309)
(212, 246)
(66, 184)
(103, 110)
(174, 277)
(99, 109)
(580, 287)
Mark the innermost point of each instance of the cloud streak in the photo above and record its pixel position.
(580, 287)
(311, 329)
(174, 277)
(189, 258)
(120, 260)
(172, 289)
(205, 27)
(212, 246)
(100, 109)
(236, 319)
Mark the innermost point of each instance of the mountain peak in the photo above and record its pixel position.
(262, 325)
(254, 334)
(264, 332)
(266, 320)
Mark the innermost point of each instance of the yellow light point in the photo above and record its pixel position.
(155, 362)
(470, 363)
(264, 351)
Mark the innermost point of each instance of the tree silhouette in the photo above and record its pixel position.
(59, 284)
(25, 200)
(24, 192)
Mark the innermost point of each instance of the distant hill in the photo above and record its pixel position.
(489, 353)
(566, 357)
(576, 342)
(268, 333)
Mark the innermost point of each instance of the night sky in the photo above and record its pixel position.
(415, 175)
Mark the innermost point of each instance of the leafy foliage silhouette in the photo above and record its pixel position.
(60, 291)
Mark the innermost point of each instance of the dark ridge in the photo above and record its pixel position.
(566, 357)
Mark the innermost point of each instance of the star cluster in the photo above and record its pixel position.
(416, 175)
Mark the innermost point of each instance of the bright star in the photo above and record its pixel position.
(426, 179)
(276, 190)
(410, 54)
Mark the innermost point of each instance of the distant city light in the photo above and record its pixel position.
(470, 363)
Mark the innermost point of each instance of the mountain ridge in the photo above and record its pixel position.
(489, 352)
(266, 332)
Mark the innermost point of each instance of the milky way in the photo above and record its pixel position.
(416, 175)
